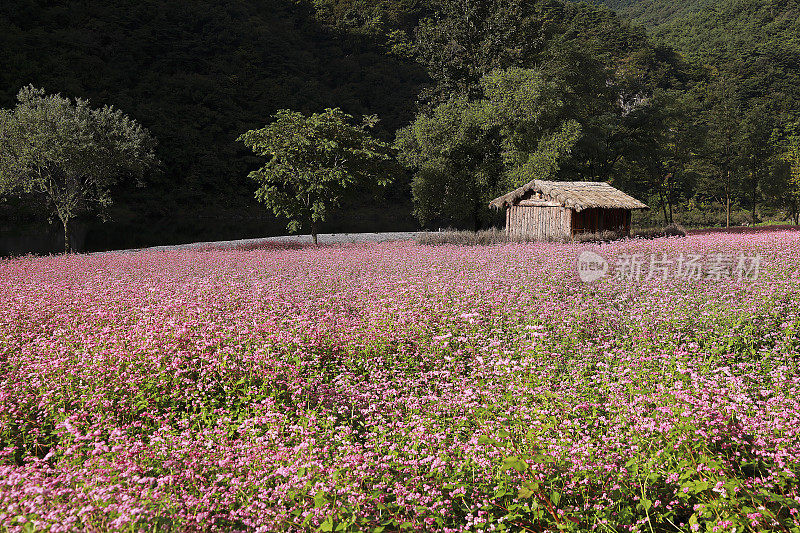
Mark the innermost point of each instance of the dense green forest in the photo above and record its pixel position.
(197, 75)
(749, 96)
(651, 13)
(691, 106)
(757, 42)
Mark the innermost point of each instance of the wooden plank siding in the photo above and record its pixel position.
(596, 219)
(543, 210)
(544, 222)
(539, 223)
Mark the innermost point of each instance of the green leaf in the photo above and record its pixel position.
(312, 161)
(485, 440)
(320, 499)
(515, 463)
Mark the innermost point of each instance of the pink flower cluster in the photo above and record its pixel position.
(393, 384)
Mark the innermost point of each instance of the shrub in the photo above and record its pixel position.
(599, 236)
(496, 236)
(673, 230)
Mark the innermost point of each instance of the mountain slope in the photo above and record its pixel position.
(198, 74)
(652, 13)
(756, 42)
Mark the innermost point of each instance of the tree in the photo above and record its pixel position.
(793, 158)
(722, 143)
(660, 150)
(313, 160)
(536, 131)
(465, 151)
(455, 163)
(783, 184)
(69, 154)
(679, 148)
(757, 151)
(465, 39)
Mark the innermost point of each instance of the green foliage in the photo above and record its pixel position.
(68, 153)
(378, 18)
(652, 13)
(464, 40)
(526, 90)
(723, 108)
(527, 108)
(782, 187)
(758, 152)
(793, 155)
(456, 163)
(197, 75)
(466, 151)
(751, 57)
(793, 186)
(312, 161)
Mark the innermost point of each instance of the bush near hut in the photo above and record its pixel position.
(496, 236)
(673, 230)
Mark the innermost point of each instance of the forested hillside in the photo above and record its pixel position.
(692, 106)
(651, 13)
(197, 74)
(750, 38)
(749, 51)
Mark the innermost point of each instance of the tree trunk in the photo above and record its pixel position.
(727, 209)
(755, 192)
(67, 248)
(314, 232)
(476, 218)
(663, 206)
(670, 178)
(728, 200)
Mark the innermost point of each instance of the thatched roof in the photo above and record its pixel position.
(578, 195)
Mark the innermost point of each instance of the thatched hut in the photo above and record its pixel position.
(560, 209)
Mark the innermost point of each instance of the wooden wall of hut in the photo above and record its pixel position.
(597, 219)
(539, 223)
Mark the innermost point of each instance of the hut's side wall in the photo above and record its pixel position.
(539, 223)
(596, 219)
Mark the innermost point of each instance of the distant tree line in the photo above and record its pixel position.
(701, 111)
(475, 98)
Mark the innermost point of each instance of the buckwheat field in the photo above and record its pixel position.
(388, 387)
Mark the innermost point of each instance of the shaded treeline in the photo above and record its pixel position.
(603, 99)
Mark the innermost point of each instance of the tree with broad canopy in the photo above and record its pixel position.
(68, 154)
(312, 162)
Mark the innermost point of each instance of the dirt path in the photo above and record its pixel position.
(323, 238)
